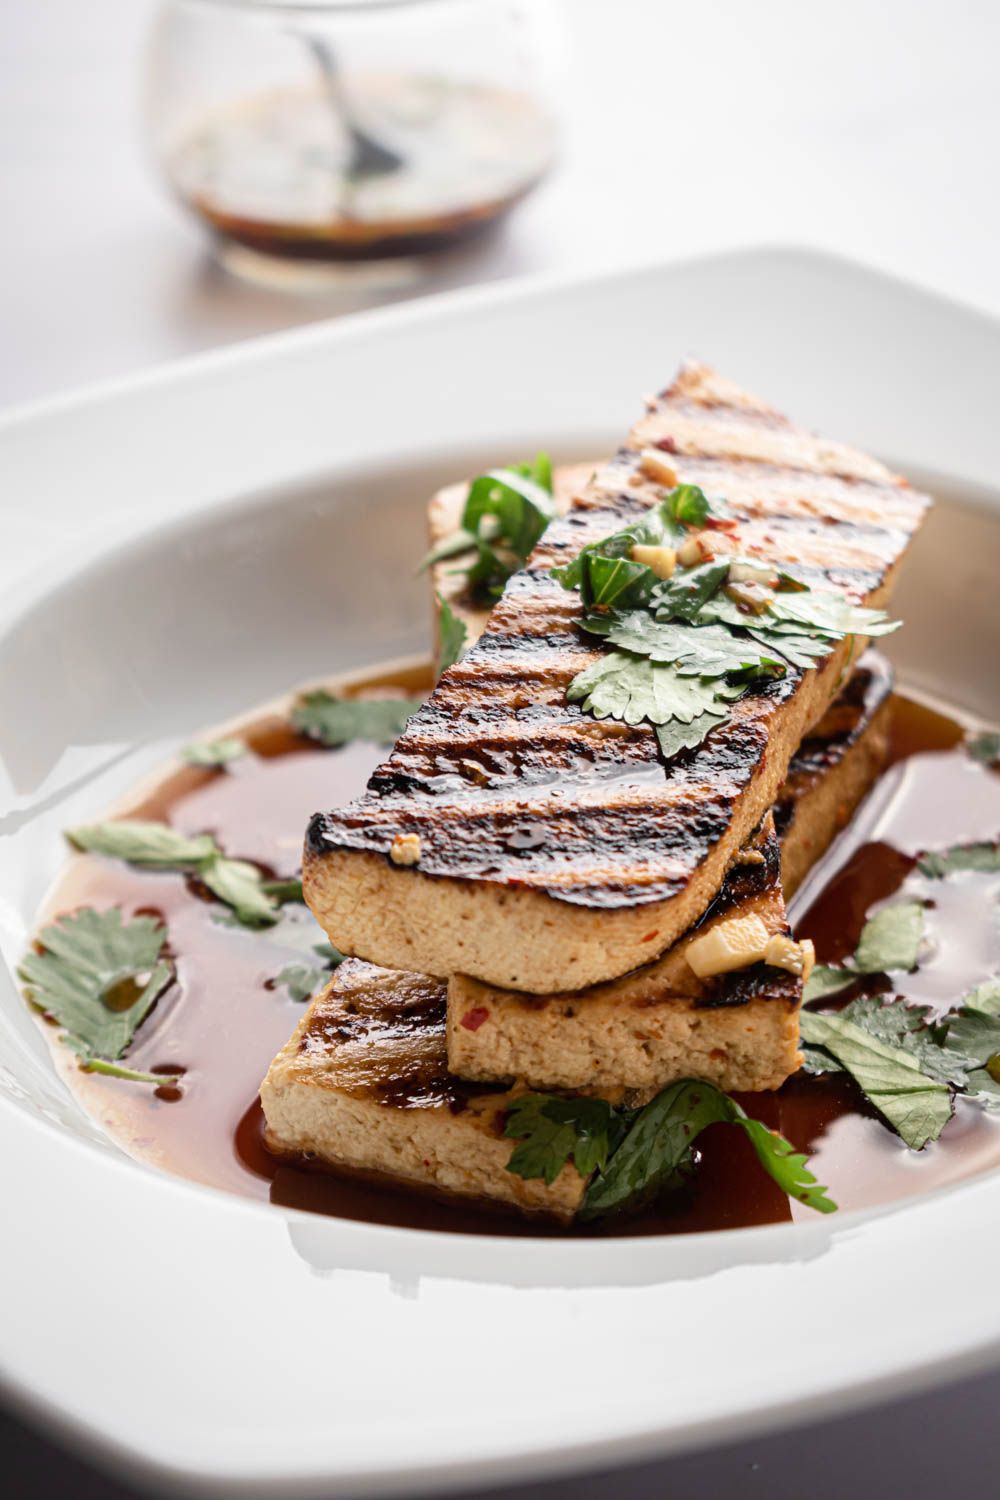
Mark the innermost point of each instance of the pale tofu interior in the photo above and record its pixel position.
(633, 1036)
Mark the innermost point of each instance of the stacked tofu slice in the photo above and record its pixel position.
(542, 902)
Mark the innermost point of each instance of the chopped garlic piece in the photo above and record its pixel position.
(750, 596)
(748, 857)
(405, 849)
(656, 465)
(797, 958)
(745, 571)
(732, 944)
(704, 547)
(693, 551)
(662, 560)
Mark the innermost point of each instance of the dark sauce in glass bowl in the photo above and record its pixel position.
(216, 1029)
(272, 173)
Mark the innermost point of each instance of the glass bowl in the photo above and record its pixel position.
(349, 131)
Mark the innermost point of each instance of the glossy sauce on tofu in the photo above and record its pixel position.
(215, 1030)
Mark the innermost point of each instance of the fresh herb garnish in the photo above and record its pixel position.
(908, 1063)
(635, 1155)
(157, 846)
(985, 747)
(604, 571)
(983, 857)
(303, 980)
(505, 513)
(212, 753)
(916, 1105)
(285, 892)
(451, 638)
(337, 721)
(687, 645)
(890, 943)
(620, 685)
(153, 846)
(551, 1130)
(98, 977)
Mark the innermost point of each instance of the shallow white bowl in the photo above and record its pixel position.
(175, 550)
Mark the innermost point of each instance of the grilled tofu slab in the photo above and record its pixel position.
(363, 1085)
(635, 1035)
(551, 851)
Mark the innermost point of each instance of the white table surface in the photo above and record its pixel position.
(869, 130)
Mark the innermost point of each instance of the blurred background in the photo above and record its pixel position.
(869, 130)
(178, 177)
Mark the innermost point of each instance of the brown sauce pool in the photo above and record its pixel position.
(221, 1023)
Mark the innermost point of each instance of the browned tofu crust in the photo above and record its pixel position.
(551, 846)
(834, 769)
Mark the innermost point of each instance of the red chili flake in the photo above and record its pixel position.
(650, 936)
(666, 444)
(721, 523)
(473, 1019)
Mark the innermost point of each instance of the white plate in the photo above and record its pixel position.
(178, 548)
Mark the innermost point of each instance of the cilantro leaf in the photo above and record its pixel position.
(683, 595)
(505, 514)
(827, 613)
(302, 980)
(633, 583)
(151, 845)
(158, 846)
(552, 1130)
(211, 753)
(99, 977)
(890, 940)
(985, 747)
(451, 638)
(802, 651)
(695, 650)
(985, 997)
(284, 892)
(656, 1151)
(915, 1105)
(617, 582)
(899, 1024)
(241, 887)
(982, 857)
(619, 685)
(337, 721)
(688, 505)
(786, 1166)
(828, 979)
(117, 1069)
(633, 1156)
(673, 737)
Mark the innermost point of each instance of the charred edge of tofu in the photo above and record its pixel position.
(841, 727)
(394, 1025)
